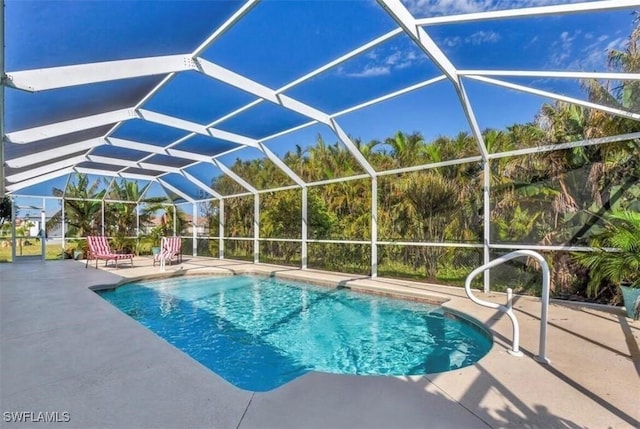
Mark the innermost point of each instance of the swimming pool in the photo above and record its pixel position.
(260, 333)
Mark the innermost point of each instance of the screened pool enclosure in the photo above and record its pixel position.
(414, 139)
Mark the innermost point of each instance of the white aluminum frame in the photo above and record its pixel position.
(69, 157)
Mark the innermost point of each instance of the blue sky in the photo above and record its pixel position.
(279, 41)
(568, 43)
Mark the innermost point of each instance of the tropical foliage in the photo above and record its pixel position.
(609, 268)
(550, 197)
(5, 210)
(88, 201)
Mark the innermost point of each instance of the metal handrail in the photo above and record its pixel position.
(508, 308)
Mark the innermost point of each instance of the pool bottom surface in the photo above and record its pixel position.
(260, 333)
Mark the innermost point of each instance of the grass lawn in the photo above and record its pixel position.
(53, 251)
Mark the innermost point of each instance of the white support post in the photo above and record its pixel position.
(256, 228)
(487, 222)
(43, 230)
(62, 228)
(137, 221)
(374, 227)
(194, 230)
(102, 226)
(175, 220)
(13, 230)
(305, 224)
(221, 229)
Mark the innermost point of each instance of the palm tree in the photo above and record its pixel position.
(123, 213)
(626, 95)
(406, 149)
(5, 210)
(432, 199)
(609, 268)
(298, 161)
(82, 206)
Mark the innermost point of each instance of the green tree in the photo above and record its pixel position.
(609, 268)
(82, 206)
(432, 199)
(5, 210)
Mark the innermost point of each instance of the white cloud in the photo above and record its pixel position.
(452, 42)
(563, 49)
(393, 58)
(482, 37)
(445, 7)
(424, 8)
(595, 55)
(381, 61)
(370, 71)
(569, 53)
(477, 38)
(617, 44)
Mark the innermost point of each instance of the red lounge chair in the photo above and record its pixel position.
(98, 248)
(170, 249)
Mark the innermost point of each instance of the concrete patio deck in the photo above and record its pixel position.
(64, 349)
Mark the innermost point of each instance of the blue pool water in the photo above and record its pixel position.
(260, 333)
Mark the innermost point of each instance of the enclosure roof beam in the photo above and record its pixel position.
(346, 57)
(35, 180)
(216, 72)
(174, 152)
(237, 16)
(552, 95)
(66, 127)
(351, 147)
(134, 145)
(284, 167)
(132, 164)
(37, 157)
(226, 170)
(79, 124)
(35, 172)
(531, 11)
(171, 121)
(408, 22)
(359, 106)
(552, 74)
(133, 176)
(234, 79)
(193, 127)
(201, 185)
(175, 190)
(220, 31)
(288, 131)
(153, 149)
(112, 161)
(389, 96)
(80, 74)
(248, 85)
(109, 173)
(317, 71)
